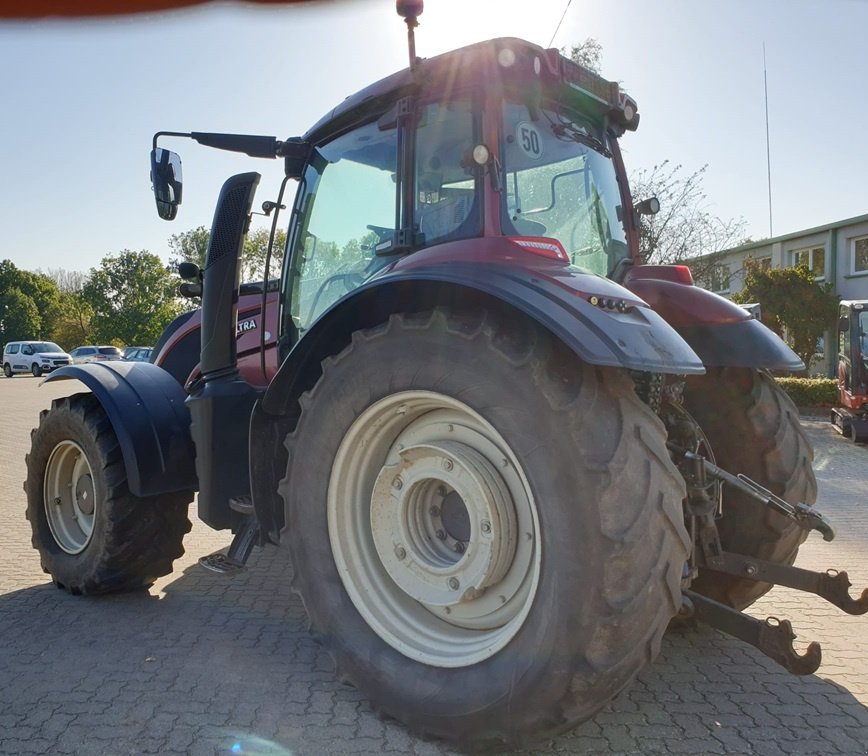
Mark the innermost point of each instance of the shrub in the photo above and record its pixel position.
(811, 392)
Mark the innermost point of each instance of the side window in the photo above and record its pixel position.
(27, 349)
(349, 208)
(445, 206)
(13, 349)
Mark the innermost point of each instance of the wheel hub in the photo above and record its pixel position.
(70, 498)
(433, 528)
(443, 523)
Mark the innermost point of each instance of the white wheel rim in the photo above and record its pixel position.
(70, 497)
(434, 529)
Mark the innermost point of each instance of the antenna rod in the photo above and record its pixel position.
(410, 10)
(412, 23)
(768, 150)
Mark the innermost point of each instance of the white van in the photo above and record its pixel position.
(35, 357)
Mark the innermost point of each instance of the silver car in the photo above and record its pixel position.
(95, 354)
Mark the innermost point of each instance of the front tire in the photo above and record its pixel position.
(486, 533)
(92, 534)
(753, 428)
(36, 370)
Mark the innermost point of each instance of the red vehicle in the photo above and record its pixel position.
(851, 418)
(502, 453)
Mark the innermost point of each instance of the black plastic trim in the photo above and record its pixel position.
(747, 343)
(145, 406)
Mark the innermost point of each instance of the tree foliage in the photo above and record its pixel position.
(19, 316)
(192, 246)
(588, 54)
(72, 324)
(30, 291)
(794, 305)
(685, 229)
(133, 298)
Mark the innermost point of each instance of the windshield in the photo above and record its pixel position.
(561, 184)
(46, 346)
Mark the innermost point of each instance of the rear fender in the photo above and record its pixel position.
(719, 331)
(145, 406)
(635, 339)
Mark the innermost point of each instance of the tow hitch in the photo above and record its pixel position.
(772, 636)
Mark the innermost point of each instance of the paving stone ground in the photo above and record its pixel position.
(204, 665)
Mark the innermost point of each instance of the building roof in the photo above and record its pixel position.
(795, 234)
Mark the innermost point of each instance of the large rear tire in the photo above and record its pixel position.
(92, 534)
(753, 428)
(487, 534)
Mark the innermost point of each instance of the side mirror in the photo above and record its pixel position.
(843, 324)
(166, 180)
(650, 206)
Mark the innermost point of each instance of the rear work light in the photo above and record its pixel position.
(542, 245)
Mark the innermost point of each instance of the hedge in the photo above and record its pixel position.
(811, 392)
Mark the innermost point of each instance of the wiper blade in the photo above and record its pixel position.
(569, 131)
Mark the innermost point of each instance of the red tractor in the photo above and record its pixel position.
(851, 418)
(502, 453)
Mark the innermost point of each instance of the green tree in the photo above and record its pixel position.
(189, 246)
(793, 304)
(19, 316)
(133, 298)
(192, 246)
(71, 326)
(38, 288)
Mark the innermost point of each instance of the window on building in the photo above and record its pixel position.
(718, 279)
(764, 263)
(859, 255)
(813, 257)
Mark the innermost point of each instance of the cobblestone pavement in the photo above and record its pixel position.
(202, 665)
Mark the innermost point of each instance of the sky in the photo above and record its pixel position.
(82, 100)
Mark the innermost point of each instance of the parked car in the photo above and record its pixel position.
(95, 354)
(35, 357)
(138, 354)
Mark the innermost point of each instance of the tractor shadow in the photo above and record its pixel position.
(224, 664)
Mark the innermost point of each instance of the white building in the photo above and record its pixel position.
(836, 252)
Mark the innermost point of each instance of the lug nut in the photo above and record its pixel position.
(441, 534)
(459, 547)
(398, 483)
(400, 552)
(485, 526)
(447, 464)
(434, 511)
(453, 583)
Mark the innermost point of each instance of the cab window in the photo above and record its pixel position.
(561, 184)
(348, 210)
(446, 205)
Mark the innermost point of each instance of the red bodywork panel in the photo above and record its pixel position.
(682, 305)
(499, 250)
(248, 340)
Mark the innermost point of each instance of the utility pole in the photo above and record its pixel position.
(768, 149)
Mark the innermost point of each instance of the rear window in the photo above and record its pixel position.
(109, 350)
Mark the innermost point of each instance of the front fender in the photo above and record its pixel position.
(145, 406)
